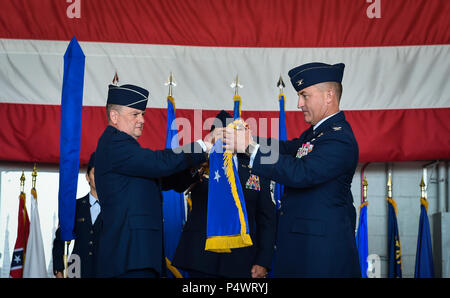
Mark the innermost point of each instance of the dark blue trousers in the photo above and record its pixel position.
(140, 273)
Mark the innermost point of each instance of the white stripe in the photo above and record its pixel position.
(374, 78)
(136, 102)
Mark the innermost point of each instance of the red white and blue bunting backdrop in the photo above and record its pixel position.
(396, 80)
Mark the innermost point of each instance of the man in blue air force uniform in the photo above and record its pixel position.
(316, 229)
(128, 185)
(87, 228)
(245, 262)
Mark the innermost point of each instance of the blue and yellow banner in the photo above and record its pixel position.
(394, 247)
(227, 224)
(424, 254)
(237, 107)
(362, 243)
(173, 202)
(282, 136)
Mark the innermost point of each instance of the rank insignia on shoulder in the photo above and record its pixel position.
(336, 128)
(304, 150)
(253, 183)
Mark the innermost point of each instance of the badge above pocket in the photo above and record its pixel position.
(253, 183)
(304, 150)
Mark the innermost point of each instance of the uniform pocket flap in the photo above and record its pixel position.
(146, 222)
(308, 226)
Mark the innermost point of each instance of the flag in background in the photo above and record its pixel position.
(23, 230)
(397, 47)
(394, 247)
(236, 98)
(173, 206)
(362, 240)
(227, 224)
(282, 136)
(6, 253)
(424, 254)
(278, 189)
(237, 106)
(362, 243)
(71, 111)
(35, 261)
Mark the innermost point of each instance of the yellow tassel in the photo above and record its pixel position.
(172, 100)
(424, 202)
(173, 269)
(218, 243)
(390, 200)
(229, 172)
(366, 203)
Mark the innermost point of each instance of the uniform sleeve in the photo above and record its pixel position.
(179, 181)
(265, 226)
(330, 157)
(283, 147)
(132, 160)
(58, 252)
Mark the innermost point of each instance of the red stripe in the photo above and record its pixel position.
(30, 133)
(237, 23)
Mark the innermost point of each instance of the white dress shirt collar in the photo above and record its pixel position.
(322, 121)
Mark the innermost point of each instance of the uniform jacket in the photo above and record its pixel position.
(126, 178)
(86, 239)
(316, 229)
(190, 253)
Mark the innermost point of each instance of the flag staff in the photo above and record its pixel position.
(389, 185)
(423, 196)
(33, 179)
(236, 85)
(422, 188)
(22, 195)
(22, 181)
(365, 184)
(171, 83)
(66, 253)
(236, 98)
(115, 80)
(281, 85)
